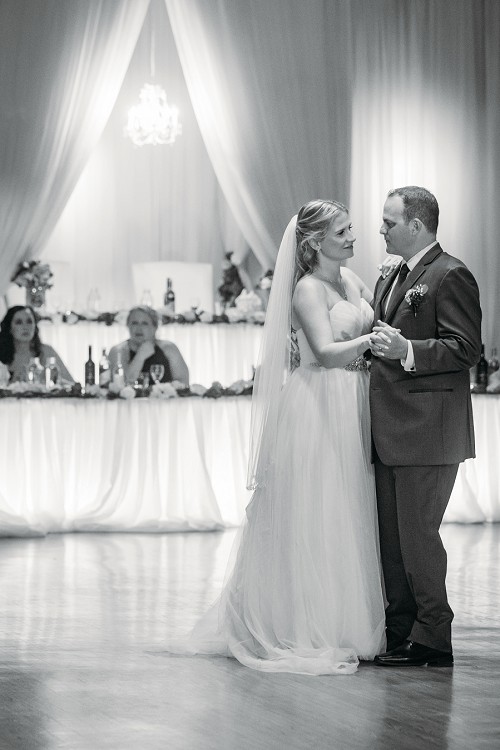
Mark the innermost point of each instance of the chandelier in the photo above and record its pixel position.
(152, 122)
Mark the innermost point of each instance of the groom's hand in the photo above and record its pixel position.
(387, 342)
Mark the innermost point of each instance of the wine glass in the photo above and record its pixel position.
(195, 304)
(157, 372)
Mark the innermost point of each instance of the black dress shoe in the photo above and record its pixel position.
(394, 641)
(411, 654)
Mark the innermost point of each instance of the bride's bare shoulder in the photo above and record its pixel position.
(349, 275)
(308, 290)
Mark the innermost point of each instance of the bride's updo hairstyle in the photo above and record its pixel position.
(313, 223)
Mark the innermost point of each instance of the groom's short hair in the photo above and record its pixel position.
(419, 203)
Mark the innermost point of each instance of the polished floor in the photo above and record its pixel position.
(84, 616)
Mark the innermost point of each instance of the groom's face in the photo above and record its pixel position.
(396, 232)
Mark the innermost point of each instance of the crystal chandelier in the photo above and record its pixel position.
(153, 121)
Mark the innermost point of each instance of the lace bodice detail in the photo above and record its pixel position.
(348, 321)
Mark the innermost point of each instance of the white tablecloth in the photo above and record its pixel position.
(476, 495)
(151, 465)
(222, 352)
(144, 465)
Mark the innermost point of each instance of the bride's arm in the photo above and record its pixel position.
(310, 307)
(365, 292)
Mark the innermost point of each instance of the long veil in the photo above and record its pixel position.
(273, 366)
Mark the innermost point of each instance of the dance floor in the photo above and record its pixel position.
(83, 620)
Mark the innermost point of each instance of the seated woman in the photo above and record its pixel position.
(143, 349)
(20, 343)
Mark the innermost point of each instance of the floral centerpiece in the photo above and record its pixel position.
(35, 277)
(232, 284)
(263, 287)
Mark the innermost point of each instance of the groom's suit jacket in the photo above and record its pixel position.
(425, 418)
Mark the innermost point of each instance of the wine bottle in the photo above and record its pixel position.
(90, 369)
(482, 372)
(119, 372)
(169, 298)
(104, 372)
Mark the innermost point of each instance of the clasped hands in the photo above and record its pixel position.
(386, 341)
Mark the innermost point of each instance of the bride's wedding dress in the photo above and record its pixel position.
(304, 594)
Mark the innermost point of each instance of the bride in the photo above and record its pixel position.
(304, 594)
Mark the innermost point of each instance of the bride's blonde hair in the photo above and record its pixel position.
(313, 223)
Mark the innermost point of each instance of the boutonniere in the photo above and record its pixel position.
(415, 296)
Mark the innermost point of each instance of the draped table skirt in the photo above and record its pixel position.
(175, 465)
(144, 465)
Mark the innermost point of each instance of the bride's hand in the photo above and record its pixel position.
(388, 264)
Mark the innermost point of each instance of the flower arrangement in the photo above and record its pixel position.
(35, 277)
(162, 391)
(415, 296)
(266, 280)
(231, 285)
(32, 274)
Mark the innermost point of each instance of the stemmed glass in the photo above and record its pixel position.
(195, 304)
(157, 372)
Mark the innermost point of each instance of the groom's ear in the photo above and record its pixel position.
(415, 226)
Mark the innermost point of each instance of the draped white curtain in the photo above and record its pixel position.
(136, 205)
(271, 94)
(281, 101)
(426, 111)
(61, 67)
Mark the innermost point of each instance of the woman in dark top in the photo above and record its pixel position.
(20, 344)
(143, 349)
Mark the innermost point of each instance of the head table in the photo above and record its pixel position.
(225, 352)
(157, 465)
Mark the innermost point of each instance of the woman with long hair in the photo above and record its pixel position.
(305, 592)
(20, 343)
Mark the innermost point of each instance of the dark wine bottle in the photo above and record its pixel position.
(169, 298)
(90, 369)
(482, 371)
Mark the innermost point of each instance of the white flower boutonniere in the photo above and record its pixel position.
(415, 296)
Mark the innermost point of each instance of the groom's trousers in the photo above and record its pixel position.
(411, 503)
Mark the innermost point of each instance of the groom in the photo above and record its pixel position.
(427, 336)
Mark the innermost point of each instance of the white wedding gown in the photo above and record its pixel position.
(304, 594)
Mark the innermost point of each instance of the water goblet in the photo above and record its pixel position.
(157, 372)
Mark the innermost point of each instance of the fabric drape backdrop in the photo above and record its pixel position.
(271, 94)
(426, 111)
(153, 203)
(295, 100)
(61, 68)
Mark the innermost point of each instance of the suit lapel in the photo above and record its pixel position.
(413, 277)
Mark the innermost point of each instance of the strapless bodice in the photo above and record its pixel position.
(348, 321)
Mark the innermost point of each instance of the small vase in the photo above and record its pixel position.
(35, 296)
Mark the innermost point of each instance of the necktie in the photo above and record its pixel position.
(403, 273)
